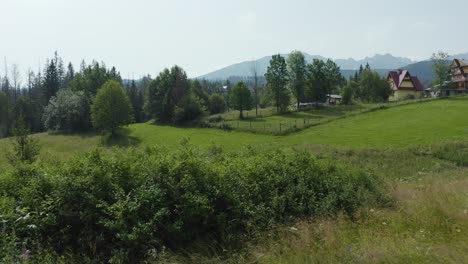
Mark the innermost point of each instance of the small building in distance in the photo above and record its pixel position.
(404, 86)
(459, 78)
(333, 99)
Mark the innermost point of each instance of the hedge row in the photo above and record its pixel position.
(122, 205)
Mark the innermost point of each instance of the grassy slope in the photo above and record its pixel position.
(423, 123)
(429, 223)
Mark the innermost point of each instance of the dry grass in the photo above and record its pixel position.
(428, 225)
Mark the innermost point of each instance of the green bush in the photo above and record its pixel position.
(190, 108)
(216, 104)
(123, 205)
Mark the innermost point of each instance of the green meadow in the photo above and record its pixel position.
(419, 149)
(399, 126)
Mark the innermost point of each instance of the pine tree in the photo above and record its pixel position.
(25, 148)
(69, 75)
(132, 93)
(51, 82)
(60, 70)
(368, 68)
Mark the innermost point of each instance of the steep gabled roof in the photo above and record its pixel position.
(457, 63)
(417, 84)
(395, 77)
(403, 76)
(463, 62)
(399, 76)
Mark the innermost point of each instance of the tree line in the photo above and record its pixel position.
(60, 98)
(293, 80)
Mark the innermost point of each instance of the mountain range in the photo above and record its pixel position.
(381, 63)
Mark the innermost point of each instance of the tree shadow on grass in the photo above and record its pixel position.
(121, 139)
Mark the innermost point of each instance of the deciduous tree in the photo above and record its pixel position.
(67, 111)
(166, 93)
(277, 79)
(441, 66)
(296, 75)
(348, 91)
(316, 81)
(241, 98)
(111, 108)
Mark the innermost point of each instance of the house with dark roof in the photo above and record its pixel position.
(459, 78)
(404, 85)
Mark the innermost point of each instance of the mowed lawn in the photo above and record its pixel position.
(419, 123)
(414, 124)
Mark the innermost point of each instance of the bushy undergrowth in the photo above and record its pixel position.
(132, 203)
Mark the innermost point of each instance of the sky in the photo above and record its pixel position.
(141, 37)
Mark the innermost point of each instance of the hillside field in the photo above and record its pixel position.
(419, 149)
(400, 126)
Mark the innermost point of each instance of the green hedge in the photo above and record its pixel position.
(119, 206)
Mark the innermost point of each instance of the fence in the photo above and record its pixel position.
(282, 127)
(288, 125)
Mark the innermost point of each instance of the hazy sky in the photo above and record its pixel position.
(143, 36)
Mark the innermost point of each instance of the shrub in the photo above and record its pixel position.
(216, 104)
(216, 119)
(122, 205)
(190, 108)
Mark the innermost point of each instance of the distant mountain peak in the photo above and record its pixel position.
(243, 69)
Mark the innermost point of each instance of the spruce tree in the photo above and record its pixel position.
(51, 82)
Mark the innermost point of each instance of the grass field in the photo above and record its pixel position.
(269, 122)
(420, 150)
(413, 124)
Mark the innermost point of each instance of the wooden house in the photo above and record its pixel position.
(459, 77)
(404, 86)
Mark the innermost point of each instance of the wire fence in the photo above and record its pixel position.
(281, 127)
(260, 124)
